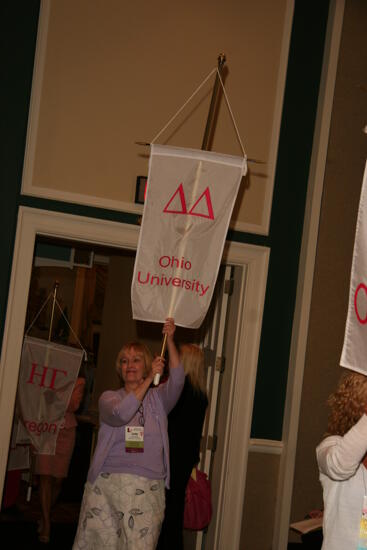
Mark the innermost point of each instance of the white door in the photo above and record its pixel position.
(219, 335)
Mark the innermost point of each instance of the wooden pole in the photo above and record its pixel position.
(207, 134)
(53, 310)
(209, 123)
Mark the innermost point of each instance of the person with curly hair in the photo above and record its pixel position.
(342, 462)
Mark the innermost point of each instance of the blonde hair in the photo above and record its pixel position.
(347, 403)
(192, 358)
(136, 346)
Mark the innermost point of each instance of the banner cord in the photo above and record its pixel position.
(65, 318)
(38, 314)
(232, 115)
(71, 328)
(184, 105)
(190, 98)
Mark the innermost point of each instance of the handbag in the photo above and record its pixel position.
(198, 502)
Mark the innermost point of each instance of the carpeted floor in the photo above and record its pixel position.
(18, 524)
(23, 534)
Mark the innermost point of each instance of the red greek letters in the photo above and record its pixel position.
(360, 287)
(177, 204)
(45, 377)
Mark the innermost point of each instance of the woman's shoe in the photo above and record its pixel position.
(45, 539)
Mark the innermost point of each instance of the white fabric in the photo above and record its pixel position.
(343, 479)
(190, 197)
(355, 339)
(47, 376)
(18, 458)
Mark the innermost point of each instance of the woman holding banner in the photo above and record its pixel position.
(342, 462)
(124, 499)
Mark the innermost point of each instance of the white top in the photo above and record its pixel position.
(344, 482)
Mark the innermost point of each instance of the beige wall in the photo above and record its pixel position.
(260, 501)
(342, 183)
(110, 73)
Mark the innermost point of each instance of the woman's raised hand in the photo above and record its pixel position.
(157, 366)
(169, 327)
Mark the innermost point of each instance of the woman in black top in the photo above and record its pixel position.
(185, 425)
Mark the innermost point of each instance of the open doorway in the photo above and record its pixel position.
(246, 334)
(94, 311)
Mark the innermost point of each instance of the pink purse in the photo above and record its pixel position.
(198, 502)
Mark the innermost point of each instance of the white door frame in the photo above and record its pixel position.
(33, 222)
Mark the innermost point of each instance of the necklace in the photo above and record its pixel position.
(141, 418)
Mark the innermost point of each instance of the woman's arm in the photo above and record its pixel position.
(171, 390)
(77, 395)
(169, 328)
(157, 368)
(339, 457)
(117, 410)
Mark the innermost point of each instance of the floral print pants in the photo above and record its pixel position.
(120, 512)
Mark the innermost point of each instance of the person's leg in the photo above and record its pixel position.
(171, 535)
(45, 492)
(145, 502)
(56, 488)
(122, 512)
(101, 515)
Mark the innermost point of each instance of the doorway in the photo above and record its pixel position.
(246, 336)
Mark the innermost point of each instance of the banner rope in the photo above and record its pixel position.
(38, 314)
(191, 97)
(65, 318)
(184, 105)
(71, 328)
(232, 115)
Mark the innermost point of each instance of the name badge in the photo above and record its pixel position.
(134, 439)
(362, 544)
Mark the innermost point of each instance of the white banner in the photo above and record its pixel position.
(354, 352)
(189, 202)
(47, 376)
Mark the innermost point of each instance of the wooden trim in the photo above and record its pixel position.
(266, 446)
(238, 428)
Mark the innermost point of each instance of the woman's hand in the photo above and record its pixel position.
(157, 367)
(169, 328)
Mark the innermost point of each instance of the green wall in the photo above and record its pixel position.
(18, 22)
(294, 157)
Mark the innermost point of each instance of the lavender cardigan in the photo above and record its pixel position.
(117, 408)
